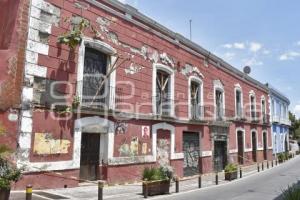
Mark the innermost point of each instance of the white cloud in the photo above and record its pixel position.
(236, 45)
(298, 43)
(227, 46)
(228, 56)
(255, 46)
(291, 55)
(252, 62)
(266, 52)
(239, 45)
(297, 111)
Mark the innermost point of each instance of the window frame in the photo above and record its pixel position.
(218, 86)
(170, 71)
(111, 58)
(238, 88)
(252, 94)
(200, 95)
(263, 99)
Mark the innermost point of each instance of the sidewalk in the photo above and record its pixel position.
(131, 191)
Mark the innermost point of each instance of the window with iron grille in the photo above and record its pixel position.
(94, 86)
(163, 100)
(238, 106)
(219, 105)
(252, 107)
(195, 91)
(263, 110)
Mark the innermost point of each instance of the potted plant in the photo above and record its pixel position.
(8, 171)
(231, 172)
(281, 157)
(157, 180)
(8, 175)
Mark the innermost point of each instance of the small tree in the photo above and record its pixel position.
(4, 149)
(8, 171)
(295, 126)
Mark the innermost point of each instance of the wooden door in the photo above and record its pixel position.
(254, 147)
(220, 155)
(265, 145)
(240, 147)
(89, 159)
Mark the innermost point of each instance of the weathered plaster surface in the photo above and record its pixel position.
(45, 144)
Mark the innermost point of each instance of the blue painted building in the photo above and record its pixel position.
(279, 112)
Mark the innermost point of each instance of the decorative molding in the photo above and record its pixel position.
(133, 69)
(248, 150)
(233, 151)
(206, 154)
(189, 70)
(165, 59)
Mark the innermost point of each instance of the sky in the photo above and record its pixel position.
(262, 34)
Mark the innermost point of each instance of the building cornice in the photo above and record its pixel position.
(131, 14)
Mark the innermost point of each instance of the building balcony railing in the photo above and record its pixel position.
(265, 118)
(281, 120)
(197, 112)
(275, 118)
(285, 121)
(164, 106)
(102, 100)
(217, 113)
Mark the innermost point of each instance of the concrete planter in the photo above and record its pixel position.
(4, 194)
(156, 187)
(229, 176)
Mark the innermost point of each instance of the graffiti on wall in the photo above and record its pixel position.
(45, 144)
(144, 148)
(163, 152)
(191, 155)
(129, 150)
(121, 127)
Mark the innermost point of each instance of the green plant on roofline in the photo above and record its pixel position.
(74, 37)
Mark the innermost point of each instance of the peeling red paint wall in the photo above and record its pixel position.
(13, 36)
(62, 65)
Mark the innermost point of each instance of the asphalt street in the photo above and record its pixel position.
(266, 185)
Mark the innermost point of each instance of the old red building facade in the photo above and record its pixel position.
(168, 100)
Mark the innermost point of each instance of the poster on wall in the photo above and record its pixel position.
(145, 131)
